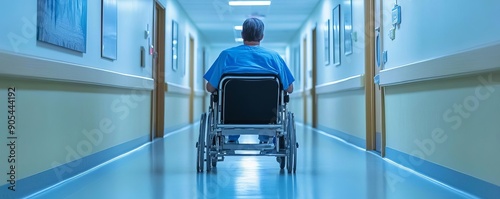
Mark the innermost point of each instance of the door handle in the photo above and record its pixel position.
(377, 46)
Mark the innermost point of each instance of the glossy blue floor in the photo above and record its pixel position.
(326, 168)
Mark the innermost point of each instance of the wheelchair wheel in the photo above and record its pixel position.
(201, 144)
(209, 145)
(292, 145)
(295, 145)
(214, 160)
(282, 147)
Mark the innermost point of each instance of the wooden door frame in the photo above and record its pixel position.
(203, 66)
(371, 114)
(158, 99)
(314, 97)
(304, 79)
(191, 79)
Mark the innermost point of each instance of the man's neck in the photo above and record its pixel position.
(251, 43)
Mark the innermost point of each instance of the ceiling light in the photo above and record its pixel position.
(238, 27)
(249, 3)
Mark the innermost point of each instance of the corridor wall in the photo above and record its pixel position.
(177, 80)
(441, 80)
(339, 88)
(72, 111)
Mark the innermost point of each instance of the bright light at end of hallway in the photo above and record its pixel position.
(249, 3)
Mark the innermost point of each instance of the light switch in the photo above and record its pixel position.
(392, 33)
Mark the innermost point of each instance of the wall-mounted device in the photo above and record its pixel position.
(143, 57)
(396, 20)
(396, 15)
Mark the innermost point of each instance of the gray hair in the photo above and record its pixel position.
(253, 30)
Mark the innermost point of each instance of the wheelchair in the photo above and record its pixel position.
(247, 105)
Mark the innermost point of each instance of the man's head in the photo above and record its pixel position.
(253, 30)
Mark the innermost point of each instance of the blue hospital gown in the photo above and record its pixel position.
(249, 59)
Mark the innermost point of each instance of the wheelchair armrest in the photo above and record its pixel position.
(287, 98)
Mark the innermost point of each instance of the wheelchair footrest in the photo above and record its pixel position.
(248, 146)
(256, 154)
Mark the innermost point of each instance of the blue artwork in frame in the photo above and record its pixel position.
(348, 28)
(175, 45)
(336, 35)
(63, 23)
(109, 29)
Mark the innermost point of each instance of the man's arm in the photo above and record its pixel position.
(210, 88)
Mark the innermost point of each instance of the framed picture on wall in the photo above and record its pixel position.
(61, 24)
(336, 35)
(327, 41)
(175, 45)
(109, 29)
(348, 27)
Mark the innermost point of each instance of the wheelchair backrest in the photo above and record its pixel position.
(249, 99)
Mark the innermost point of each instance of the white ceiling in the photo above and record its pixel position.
(215, 19)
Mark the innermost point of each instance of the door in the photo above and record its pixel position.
(305, 79)
(158, 99)
(374, 63)
(314, 97)
(379, 91)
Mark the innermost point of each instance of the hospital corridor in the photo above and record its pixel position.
(243, 99)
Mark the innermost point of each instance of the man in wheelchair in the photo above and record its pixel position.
(249, 58)
(249, 86)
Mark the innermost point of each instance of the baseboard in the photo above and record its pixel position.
(344, 136)
(175, 128)
(38, 182)
(455, 179)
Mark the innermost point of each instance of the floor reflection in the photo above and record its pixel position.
(326, 168)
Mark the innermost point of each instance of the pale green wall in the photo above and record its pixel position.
(296, 106)
(421, 121)
(176, 111)
(53, 118)
(198, 108)
(343, 111)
